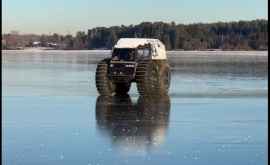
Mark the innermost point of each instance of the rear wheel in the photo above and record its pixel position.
(104, 85)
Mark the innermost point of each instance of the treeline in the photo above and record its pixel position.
(241, 35)
(66, 42)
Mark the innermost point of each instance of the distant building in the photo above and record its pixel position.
(51, 44)
(36, 44)
(4, 44)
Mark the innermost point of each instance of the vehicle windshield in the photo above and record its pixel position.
(123, 54)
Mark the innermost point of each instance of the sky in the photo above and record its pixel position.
(70, 16)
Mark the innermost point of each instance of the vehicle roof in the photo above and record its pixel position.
(135, 42)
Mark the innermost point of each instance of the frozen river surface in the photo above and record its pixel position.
(216, 112)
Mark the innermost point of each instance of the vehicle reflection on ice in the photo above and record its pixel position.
(133, 126)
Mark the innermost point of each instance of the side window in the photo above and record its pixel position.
(140, 52)
(146, 52)
(154, 50)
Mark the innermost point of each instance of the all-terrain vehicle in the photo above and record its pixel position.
(139, 60)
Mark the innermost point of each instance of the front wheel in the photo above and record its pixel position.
(104, 85)
(153, 78)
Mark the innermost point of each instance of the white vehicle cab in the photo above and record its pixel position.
(157, 46)
(140, 60)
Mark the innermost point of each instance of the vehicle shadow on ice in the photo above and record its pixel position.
(143, 124)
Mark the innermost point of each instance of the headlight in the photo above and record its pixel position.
(130, 66)
(111, 65)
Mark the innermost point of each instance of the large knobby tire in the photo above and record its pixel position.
(104, 85)
(153, 78)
